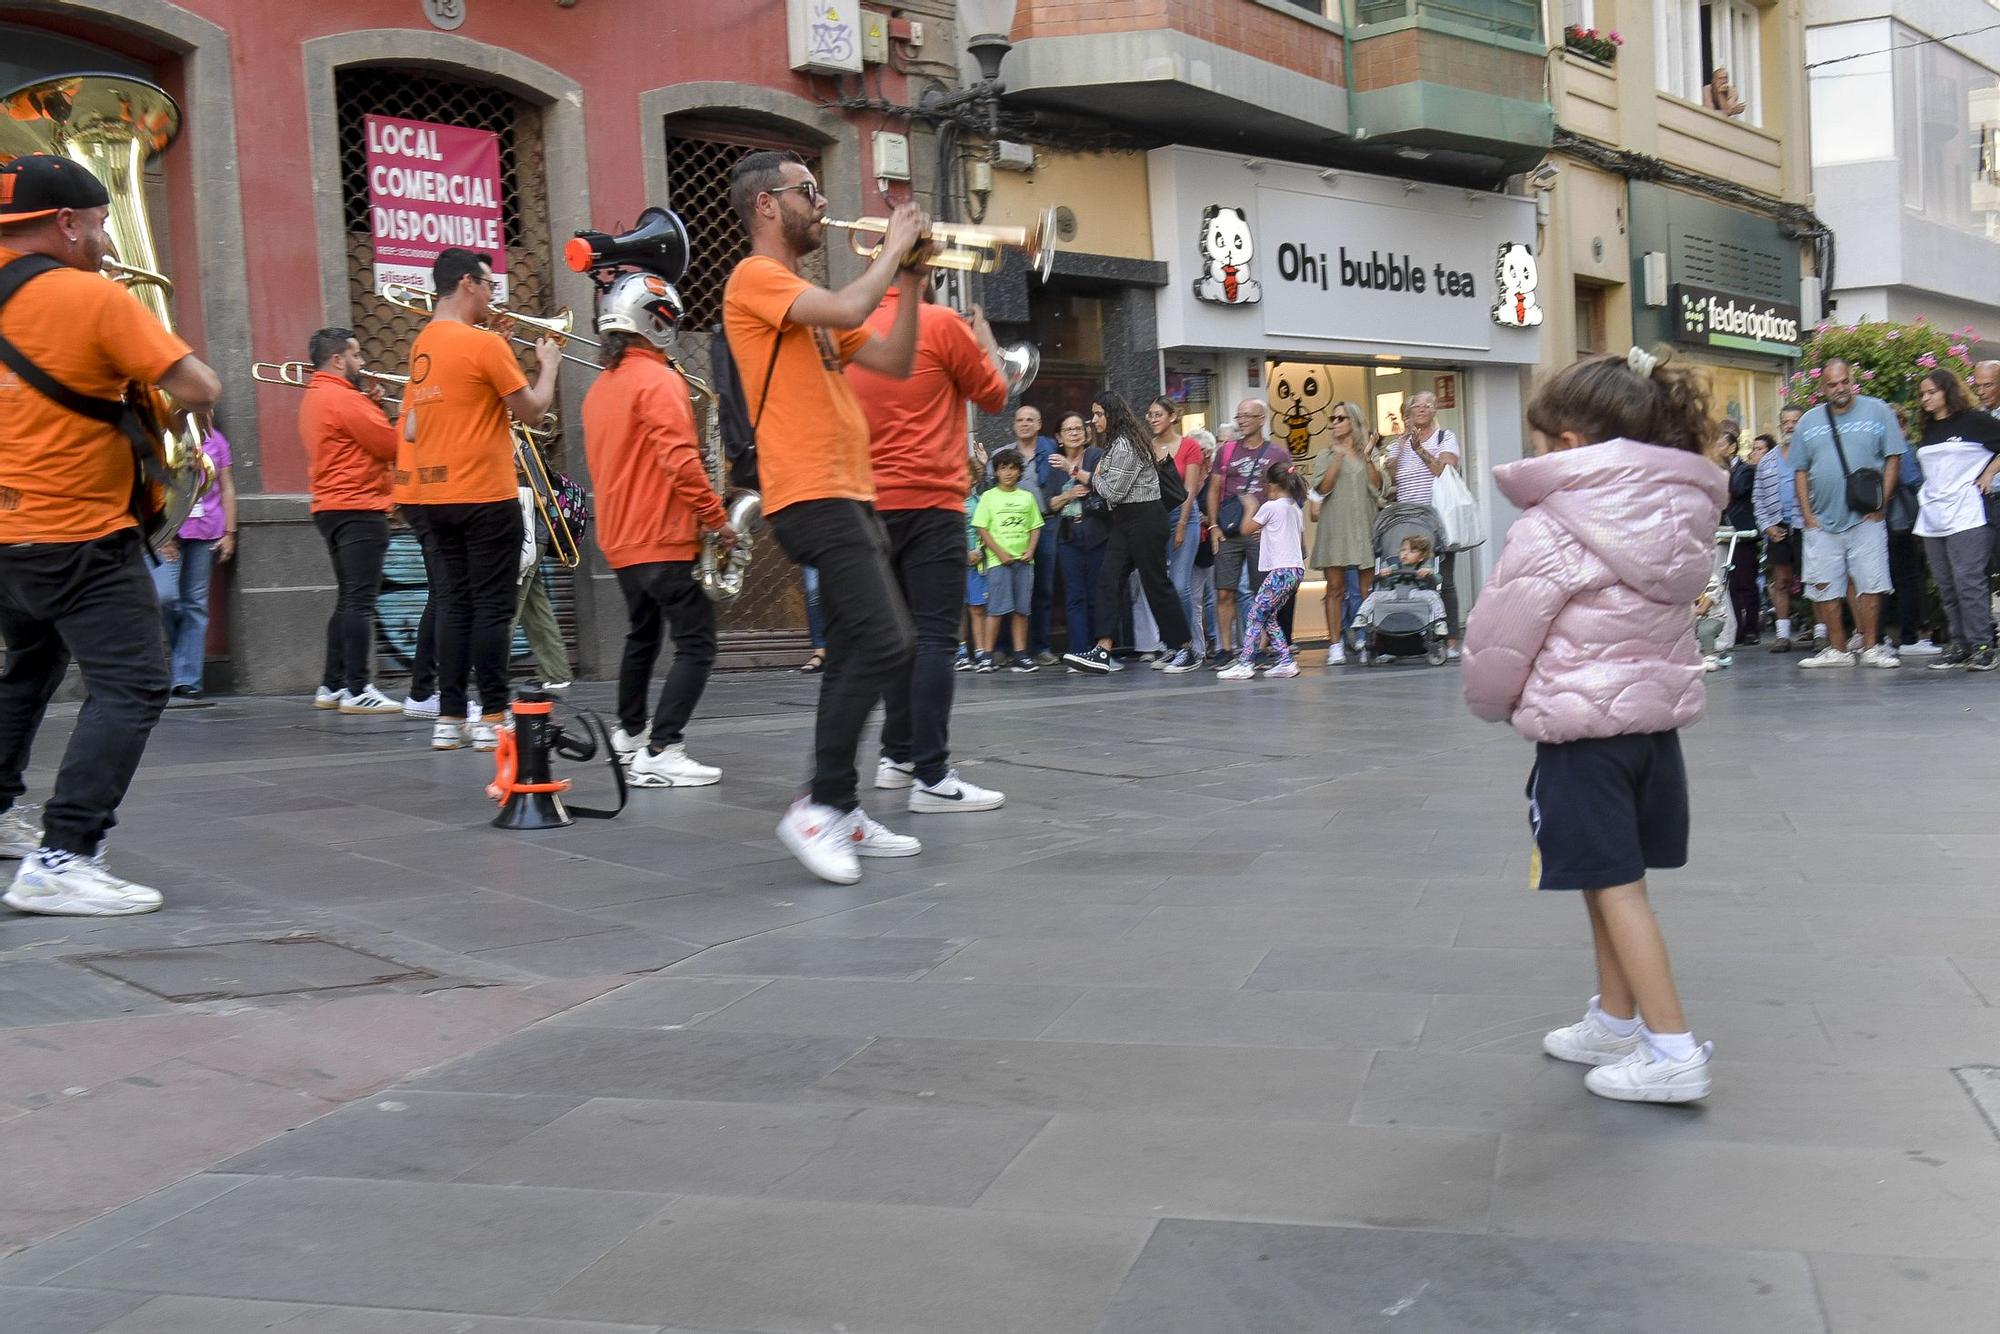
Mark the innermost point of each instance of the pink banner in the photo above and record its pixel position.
(431, 187)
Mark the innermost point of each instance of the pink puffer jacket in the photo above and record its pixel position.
(1586, 628)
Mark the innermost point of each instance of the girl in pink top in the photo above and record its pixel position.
(1584, 639)
(1279, 524)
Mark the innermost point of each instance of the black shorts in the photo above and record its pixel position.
(1783, 552)
(1603, 810)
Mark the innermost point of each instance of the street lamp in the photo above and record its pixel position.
(989, 22)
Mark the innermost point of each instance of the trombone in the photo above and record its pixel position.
(534, 471)
(956, 245)
(298, 375)
(559, 326)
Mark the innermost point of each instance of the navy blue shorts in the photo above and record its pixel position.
(1605, 809)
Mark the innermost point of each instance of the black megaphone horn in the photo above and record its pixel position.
(658, 244)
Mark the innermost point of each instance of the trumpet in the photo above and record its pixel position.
(560, 326)
(298, 374)
(534, 470)
(955, 245)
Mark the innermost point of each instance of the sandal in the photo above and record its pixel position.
(814, 665)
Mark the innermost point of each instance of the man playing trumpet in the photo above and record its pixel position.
(73, 576)
(456, 469)
(790, 340)
(350, 446)
(654, 502)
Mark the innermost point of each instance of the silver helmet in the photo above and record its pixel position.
(643, 304)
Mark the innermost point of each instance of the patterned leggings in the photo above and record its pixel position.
(1272, 595)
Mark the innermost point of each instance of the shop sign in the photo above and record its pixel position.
(432, 187)
(825, 35)
(1281, 257)
(1709, 318)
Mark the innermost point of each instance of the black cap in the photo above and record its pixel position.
(35, 185)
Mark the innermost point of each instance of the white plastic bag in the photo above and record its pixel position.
(1464, 526)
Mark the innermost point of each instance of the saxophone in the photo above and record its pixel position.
(721, 574)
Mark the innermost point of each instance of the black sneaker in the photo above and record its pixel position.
(983, 663)
(1182, 660)
(1953, 658)
(1022, 663)
(186, 692)
(1090, 660)
(1983, 659)
(1219, 661)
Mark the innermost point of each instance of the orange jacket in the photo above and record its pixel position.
(653, 497)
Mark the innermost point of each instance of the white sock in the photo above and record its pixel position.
(1784, 629)
(1623, 1028)
(1673, 1046)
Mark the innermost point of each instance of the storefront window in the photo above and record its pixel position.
(1749, 398)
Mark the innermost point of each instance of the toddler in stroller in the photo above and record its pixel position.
(1404, 615)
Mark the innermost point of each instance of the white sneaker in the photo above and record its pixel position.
(1882, 655)
(83, 888)
(871, 839)
(670, 768)
(1336, 656)
(1589, 1042)
(328, 699)
(1923, 648)
(1828, 657)
(556, 687)
(822, 838)
(626, 746)
(1451, 655)
(1240, 670)
(485, 735)
(893, 776)
(953, 793)
(1283, 670)
(1854, 642)
(1647, 1076)
(420, 708)
(449, 735)
(19, 834)
(370, 700)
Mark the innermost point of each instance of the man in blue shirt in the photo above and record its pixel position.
(1843, 548)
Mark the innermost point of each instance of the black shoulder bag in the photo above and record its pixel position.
(1173, 491)
(1864, 485)
(148, 469)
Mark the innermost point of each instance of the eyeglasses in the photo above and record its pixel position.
(1341, 418)
(809, 188)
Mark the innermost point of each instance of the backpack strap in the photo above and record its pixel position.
(13, 277)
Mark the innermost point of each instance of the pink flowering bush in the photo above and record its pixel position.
(1888, 360)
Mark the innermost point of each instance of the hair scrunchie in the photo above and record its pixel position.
(1642, 362)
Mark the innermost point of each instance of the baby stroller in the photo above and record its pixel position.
(1403, 616)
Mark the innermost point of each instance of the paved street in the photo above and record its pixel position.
(1229, 1021)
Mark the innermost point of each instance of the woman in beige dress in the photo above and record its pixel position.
(1349, 485)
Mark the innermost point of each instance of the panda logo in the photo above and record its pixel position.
(1518, 277)
(1225, 256)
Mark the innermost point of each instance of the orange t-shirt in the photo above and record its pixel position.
(653, 497)
(460, 378)
(812, 443)
(66, 478)
(349, 446)
(918, 425)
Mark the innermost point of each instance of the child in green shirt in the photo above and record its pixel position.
(1008, 521)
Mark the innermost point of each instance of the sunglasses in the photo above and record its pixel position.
(1337, 419)
(809, 188)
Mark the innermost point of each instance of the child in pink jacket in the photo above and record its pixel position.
(1584, 638)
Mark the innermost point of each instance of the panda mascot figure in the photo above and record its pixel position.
(1225, 256)
(1518, 277)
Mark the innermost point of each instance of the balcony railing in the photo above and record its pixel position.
(1521, 19)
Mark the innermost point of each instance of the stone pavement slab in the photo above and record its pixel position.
(1229, 1021)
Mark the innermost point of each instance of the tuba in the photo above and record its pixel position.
(114, 125)
(721, 574)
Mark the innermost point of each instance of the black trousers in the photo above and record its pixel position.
(479, 547)
(1743, 594)
(869, 638)
(927, 553)
(92, 601)
(424, 661)
(1906, 581)
(657, 593)
(356, 540)
(1448, 586)
(1139, 534)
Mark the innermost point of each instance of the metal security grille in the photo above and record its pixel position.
(386, 332)
(766, 624)
(1731, 266)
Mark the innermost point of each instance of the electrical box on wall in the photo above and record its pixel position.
(892, 156)
(825, 35)
(1654, 265)
(874, 38)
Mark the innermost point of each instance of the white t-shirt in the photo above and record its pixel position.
(1279, 525)
(1414, 479)
(1952, 454)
